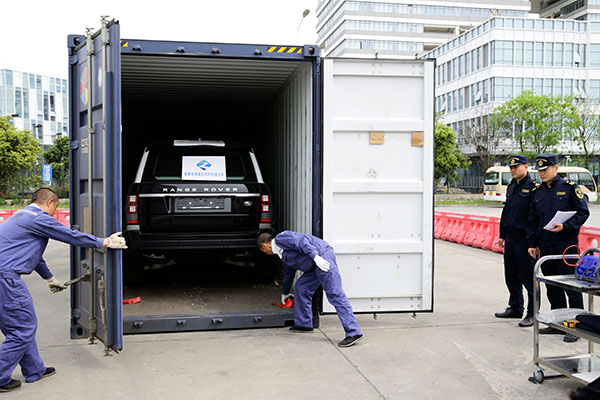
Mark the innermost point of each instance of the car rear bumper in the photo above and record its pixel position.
(145, 241)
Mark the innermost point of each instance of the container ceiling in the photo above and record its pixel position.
(207, 78)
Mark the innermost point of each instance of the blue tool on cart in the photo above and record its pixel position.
(586, 268)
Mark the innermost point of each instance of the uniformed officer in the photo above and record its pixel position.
(555, 194)
(518, 266)
(23, 239)
(315, 257)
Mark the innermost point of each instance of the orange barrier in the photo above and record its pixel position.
(495, 246)
(484, 232)
(63, 215)
(473, 225)
(5, 214)
(439, 221)
(455, 228)
(589, 236)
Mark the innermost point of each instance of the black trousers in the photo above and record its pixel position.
(556, 295)
(518, 272)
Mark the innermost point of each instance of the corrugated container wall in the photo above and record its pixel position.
(291, 152)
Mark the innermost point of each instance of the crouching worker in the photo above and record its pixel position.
(23, 239)
(315, 257)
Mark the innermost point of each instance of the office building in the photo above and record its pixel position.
(503, 57)
(401, 29)
(580, 10)
(37, 103)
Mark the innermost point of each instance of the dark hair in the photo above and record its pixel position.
(42, 195)
(265, 237)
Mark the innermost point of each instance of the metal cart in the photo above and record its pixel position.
(583, 367)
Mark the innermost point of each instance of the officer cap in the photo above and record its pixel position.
(517, 160)
(544, 161)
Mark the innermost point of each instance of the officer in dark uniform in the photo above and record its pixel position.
(555, 194)
(518, 266)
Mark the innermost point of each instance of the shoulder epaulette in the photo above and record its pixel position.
(535, 186)
(570, 182)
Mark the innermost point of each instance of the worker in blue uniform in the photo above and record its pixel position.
(316, 259)
(23, 239)
(555, 194)
(518, 266)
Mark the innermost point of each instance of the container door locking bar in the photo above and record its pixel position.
(84, 278)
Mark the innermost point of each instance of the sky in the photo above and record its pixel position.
(33, 33)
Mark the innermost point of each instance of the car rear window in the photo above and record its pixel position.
(166, 164)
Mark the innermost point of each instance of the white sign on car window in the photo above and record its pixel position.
(197, 168)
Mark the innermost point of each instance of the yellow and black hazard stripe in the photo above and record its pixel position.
(124, 43)
(283, 49)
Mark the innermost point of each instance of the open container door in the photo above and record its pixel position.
(95, 138)
(378, 137)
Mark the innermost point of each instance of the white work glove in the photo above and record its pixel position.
(116, 241)
(284, 297)
(55, 285)
(322, 263)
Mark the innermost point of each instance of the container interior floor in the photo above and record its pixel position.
(190, 287)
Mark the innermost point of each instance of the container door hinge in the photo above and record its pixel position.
(73, 60)
(74, 144)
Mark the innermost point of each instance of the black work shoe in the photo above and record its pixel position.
(581, 393)
(508, 313)
(550, 331)
(10, 386)
(525, 322)
(349, 340)
(49, 372)
(570, 338)
(301, 329)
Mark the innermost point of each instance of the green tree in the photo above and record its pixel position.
(538, 122)
(587, 132)
(18, 151)
(58, 156)
(448, 158)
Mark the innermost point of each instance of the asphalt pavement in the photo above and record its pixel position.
(460, 351)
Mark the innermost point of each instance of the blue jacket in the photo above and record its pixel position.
(562, 195)
(299, 252)
(24, 237)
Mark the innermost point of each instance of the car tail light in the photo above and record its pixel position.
(132, 210)
(498, 194)
(265, 207)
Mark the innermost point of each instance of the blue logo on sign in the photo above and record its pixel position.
(203, 165)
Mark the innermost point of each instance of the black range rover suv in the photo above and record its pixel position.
(196, 195)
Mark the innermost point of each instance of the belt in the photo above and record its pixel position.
(10, 275)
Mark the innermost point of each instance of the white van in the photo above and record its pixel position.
(497, 180)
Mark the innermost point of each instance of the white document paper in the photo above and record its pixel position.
(560, 218)
(203, 168)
